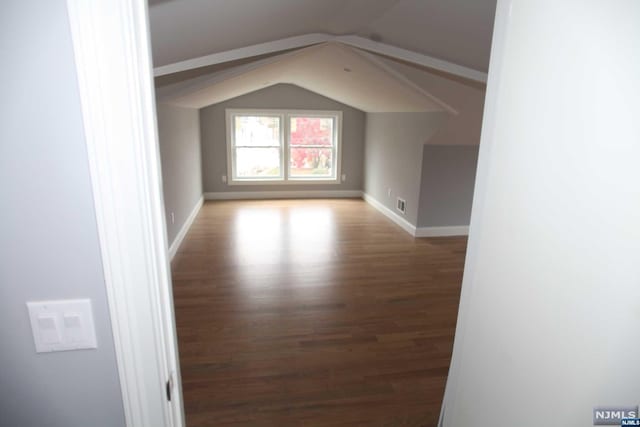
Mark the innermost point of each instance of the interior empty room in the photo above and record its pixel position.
(317, 200)
(319, 213)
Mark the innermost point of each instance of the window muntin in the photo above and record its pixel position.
(283, 146)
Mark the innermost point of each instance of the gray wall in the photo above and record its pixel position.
(179, 136)
(448, 174)
(448, 177)
(393, 157)
(49, 247)
(214, 145)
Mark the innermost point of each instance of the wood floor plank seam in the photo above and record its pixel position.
(313, 313)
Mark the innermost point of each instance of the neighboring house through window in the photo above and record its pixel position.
(277, 146)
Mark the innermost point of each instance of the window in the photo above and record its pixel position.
(283, 146)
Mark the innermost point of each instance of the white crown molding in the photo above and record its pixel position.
(177, 241)
(316, 38)
(404, 79)
(174, 92)
(243, 52)
(188, 93)
(413, 57)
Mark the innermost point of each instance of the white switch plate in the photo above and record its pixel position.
(62, 325)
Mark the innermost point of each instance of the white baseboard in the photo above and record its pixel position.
(406, 225)
(313, 194)
(453, 230)
(185, 228)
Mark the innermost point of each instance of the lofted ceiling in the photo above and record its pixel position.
(458, 31)
(209, 51)
(345, 74)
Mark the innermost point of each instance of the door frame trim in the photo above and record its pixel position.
(113, 62)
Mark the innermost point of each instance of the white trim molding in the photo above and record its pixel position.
(243, 52)
(179, 89)
(406, 225)
(305, 40)
(375, 60)
(258, 195)
(119, 120)
(413, 57)
(455, 230)
(284, 117)
(177, 241)
(451, 230)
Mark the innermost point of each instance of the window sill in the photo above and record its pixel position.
(290, 181)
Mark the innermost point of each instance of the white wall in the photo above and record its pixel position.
(49, 246)
(550, 308)
(179, 140)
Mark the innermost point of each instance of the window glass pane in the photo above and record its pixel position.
(312, 131)
(257, 131)
(258, 162)
(311, 163)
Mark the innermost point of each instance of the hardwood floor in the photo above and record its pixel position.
(313, 313)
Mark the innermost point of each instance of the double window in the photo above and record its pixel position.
(270, 146)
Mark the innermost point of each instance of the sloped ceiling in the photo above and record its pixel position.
(458, 31)
(345, 74)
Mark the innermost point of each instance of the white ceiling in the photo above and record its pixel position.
(368, 85)
(458, 31)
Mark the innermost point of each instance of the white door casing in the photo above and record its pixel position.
(113, 62)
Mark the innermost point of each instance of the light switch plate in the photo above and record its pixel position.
(62, 325)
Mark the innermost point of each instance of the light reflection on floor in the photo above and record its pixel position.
(280, 244)
(258, 235)
(313, 312)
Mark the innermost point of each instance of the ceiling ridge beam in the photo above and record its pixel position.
(412, 57)
(316, 38)
(242, 53)
(196, 84)
(405, 80)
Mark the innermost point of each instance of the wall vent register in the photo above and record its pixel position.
(401, 205)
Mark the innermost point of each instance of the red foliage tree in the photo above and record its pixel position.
(308, 131)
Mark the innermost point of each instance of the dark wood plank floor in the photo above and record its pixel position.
(313, 313)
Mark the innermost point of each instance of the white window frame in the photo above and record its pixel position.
(285, 166)
(231, 152)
